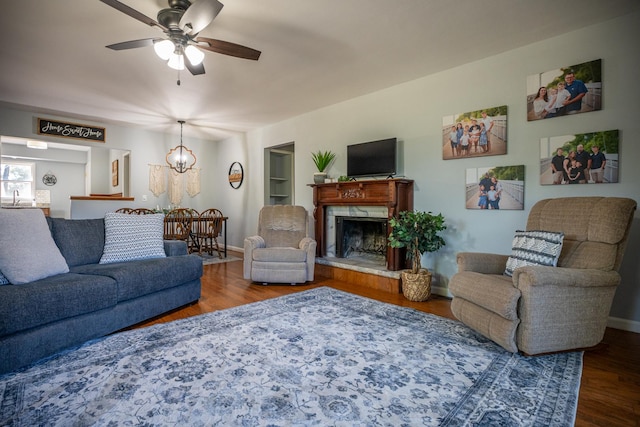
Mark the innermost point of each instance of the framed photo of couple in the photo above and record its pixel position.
(565, 91)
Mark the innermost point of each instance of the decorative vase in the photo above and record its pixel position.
(416, 286)
(318, 177)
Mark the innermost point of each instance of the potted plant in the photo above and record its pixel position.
(418, 233)
(322, 159)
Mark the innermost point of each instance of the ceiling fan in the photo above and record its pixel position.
(181, 22)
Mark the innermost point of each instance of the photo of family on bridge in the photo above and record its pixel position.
(494, 188)
(475, 133)
(564, 91)
(588, 158)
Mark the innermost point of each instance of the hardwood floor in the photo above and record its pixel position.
(610, 384)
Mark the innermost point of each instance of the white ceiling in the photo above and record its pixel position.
(314, 54)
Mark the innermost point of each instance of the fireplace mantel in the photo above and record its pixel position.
(395, 194)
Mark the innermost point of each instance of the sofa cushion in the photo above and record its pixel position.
(27, 250)
(54, 298)
(535, 247)
(132, 237)
(146, 276)
(81, 241)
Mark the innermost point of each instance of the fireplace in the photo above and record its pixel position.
(361, 236)
(389, 196)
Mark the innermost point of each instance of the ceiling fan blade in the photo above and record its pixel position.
(132, 44)
(227, 48)
(199, 15)
(133, 13)
(194, 69)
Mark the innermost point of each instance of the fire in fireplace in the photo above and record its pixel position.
(360, 236)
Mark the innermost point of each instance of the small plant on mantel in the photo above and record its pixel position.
(418, 233)
(322, 160)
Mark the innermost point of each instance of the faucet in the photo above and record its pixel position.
(15, 193)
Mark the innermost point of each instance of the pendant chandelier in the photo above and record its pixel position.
(181, 159)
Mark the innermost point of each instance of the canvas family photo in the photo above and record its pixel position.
(475, 133)
(565, 91)
(587, 158)
(495, 188)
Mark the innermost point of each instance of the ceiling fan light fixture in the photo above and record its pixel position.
(195, 55)
(164, 49)
(176, 62)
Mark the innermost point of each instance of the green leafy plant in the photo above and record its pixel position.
(323, 159)
(418, 232)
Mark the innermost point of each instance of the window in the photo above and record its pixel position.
(17, 177)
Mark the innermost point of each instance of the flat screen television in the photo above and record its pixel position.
(374, 158)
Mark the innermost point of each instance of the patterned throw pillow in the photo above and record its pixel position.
(3, 280)
(534, 248)
(131, 237)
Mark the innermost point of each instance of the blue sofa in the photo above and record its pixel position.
(40, 318)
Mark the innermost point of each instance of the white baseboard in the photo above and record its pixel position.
(624, 324)
(235, 248)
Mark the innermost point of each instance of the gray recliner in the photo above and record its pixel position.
(282, 251)
(545, 309)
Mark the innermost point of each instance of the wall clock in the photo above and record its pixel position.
(236, 175)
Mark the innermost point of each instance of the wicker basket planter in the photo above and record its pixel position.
(416, 287)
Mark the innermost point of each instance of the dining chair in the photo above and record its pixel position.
(143, 211)
(177, 224)
(209, 228)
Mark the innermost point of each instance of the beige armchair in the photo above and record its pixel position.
(282, 251)
(542, 309)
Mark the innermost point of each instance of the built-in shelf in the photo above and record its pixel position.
(279, 171)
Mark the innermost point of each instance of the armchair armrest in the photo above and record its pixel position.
(482, 262)
(306, 243)
(568, 277)
(251, 243)
(309, 245)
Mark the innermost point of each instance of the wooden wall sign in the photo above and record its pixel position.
(71, 130)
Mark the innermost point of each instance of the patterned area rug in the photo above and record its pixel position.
(215, 259)
(319, 357)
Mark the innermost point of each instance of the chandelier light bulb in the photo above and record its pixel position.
(164, 49)
(176, 62)
(194, 54)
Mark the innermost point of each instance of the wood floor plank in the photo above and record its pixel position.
(610, 383)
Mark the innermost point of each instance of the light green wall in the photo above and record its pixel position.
(413, 112)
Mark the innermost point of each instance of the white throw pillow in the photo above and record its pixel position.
(130, 237)
(534, 248)
(27, 250)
